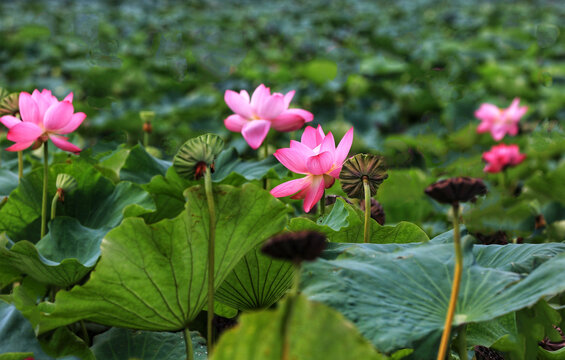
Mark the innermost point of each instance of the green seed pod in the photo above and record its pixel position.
(358, 167)
(9, 103)
(147, 116)
(197, 153)
(66, 182)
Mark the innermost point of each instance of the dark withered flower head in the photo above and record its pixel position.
(295, 246)
(377, 211)
(196, 154)
(358, 167)
(456, 190)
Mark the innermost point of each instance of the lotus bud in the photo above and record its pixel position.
(455, 190)
(295, 246)
(196, 154)
(65, 184)
(359, 167)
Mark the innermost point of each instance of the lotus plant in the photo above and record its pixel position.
(500, 122)
(43, 118)
(256, 115)
(318, 158)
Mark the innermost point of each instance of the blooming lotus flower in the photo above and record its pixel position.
(316, 156)
(500, 121)
(43, 118)
(254, 117)
(501, 156)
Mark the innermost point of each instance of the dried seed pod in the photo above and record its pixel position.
(485, 353)
(498, 238)
(295, 246)
(358, 167)
(455, 190)
(197, 153)
(377, 211)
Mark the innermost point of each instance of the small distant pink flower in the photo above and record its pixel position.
(43, 117)
(500, 121)
(316, 156)
(256, 115)
(502, 156)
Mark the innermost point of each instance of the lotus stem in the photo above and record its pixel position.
(265, 155)
(20, 165)
(323, 204)
(211, 239)
(45, 184)
(188, 343)
(367, 229)
(145, 139)
(54, 206)
(288, 309)
(455, 286)
(462, 342)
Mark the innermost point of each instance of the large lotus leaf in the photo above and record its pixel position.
(229, 168)
(63, 257)
(140, 167)
(17, 335)
(314, 331)
(153, 277)
(167, 192)
(8, 182)
(351, 230)
(64, 344)
(95, 203)
(519, 258)
(120, 344)
(399, 299)
(258, 281)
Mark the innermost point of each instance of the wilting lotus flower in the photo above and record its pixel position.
(501, 156)
(254, 117)
(318, 158)
(500, 121)
(43, 118)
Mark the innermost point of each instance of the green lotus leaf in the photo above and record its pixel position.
(146, 345)
(153, 277)
(337, 229)
(230, 169)
(257, 282)
(314, 331)
(140, 166)
(372, 288)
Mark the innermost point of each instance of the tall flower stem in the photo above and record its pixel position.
(20, 165)
(54, 206)
(265, 155)
(288, 309)
(323, 204)
(45, 184)
(455, 286)
(211, 240)
(367, 229)
(145, 139)
(188, 343)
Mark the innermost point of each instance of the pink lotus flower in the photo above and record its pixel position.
(500, 121)
(43, 118)
(254, 117)
(501, 156)
(318, 158)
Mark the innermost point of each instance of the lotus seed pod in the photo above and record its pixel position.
(455, 190)
(359, 167)
(196, 154)
(66, 182)
(147, 116)
(9, 103)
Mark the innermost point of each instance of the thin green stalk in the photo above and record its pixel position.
(502, 180)
(289, 306)
(211, 240)
(367, 229)
(455, 286)
(462, 342)
(145, 139)
(323, 204)
(188, 343)
(84, 333)
(45, 184)
(265, 155)
(20, 165)
(54, 206)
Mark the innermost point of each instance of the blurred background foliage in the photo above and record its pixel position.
(416, 67)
